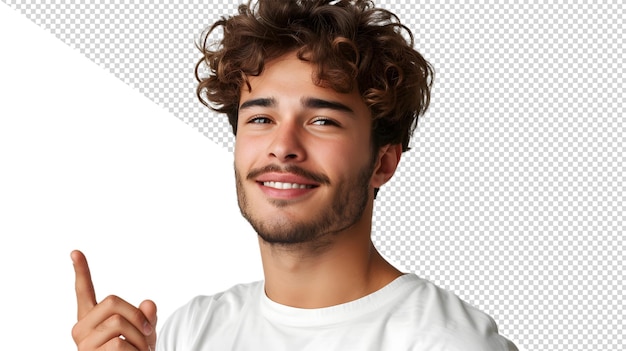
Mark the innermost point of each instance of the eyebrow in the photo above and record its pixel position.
(320, 103)
(262, 102)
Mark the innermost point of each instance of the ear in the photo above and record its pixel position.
(387, 161)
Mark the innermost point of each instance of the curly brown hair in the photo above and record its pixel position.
(350, 41)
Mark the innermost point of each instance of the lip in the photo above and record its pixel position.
(285, 194)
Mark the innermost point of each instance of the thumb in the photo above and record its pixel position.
(149, 309)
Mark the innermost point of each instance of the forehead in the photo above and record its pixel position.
(289, 78)
(283, 72)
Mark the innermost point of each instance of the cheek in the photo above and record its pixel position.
(345, 160)
(244, 151)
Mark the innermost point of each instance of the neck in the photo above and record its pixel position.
(343, 269)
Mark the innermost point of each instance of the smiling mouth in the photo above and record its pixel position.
(281, 185)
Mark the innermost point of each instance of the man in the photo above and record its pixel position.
(322, 97)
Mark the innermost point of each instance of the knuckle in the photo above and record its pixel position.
(81, 346)
(117, 344)
(78, 333)
(121, 343)
(115, 322)
(111, 301)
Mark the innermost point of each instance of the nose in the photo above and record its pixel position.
(287, 143)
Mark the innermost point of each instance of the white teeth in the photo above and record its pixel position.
(280, 185)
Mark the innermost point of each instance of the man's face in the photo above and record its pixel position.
(303, 155)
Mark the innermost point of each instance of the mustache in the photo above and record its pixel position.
(316, 177)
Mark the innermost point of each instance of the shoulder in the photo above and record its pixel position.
(441, 315)
(190, 320)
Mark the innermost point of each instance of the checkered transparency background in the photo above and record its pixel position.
(513, 193)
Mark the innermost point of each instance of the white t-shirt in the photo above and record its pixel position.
(410, 313)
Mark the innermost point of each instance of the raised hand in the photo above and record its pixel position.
(112, 324)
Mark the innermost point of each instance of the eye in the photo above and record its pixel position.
(323, 121)
(259, 120)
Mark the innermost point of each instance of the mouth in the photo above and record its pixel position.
(286, 186)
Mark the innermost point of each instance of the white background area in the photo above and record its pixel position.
(512, 197)
(87, 163)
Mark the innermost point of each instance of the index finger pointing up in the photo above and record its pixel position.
(85, 293)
